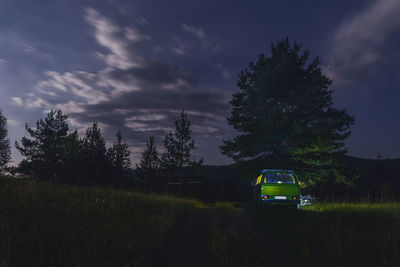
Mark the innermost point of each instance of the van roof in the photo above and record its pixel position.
(271, 170)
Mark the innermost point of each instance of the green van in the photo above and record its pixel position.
(277, 187)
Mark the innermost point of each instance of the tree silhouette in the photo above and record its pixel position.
(97, 164)
(177, 145)
(44, 153)
(149, 166)
(74, 160)
(5, 151)
(285, 116)
(119, 156)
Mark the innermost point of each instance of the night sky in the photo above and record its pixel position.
(134, 65)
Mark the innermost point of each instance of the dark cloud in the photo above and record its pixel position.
(152, 109)
(156, 73)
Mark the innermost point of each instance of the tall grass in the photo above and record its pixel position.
(48, 224)
(331, 234)
(44, 224)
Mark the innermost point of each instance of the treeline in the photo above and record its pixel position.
(372, 180)
(54, 153)
(51, 152)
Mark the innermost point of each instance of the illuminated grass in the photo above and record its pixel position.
(388, 207)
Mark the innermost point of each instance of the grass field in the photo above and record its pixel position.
(43, 224)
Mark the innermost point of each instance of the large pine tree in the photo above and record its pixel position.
(285, 115)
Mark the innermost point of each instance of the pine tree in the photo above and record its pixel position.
(149, 165)
(73, 159)
(97, 165)
(178, 145)
(5, 151)
(119, 156)
(44, 153)
(285, 116)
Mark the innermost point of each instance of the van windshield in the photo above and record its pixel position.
(279, 178)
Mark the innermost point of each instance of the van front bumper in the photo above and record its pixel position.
(281, 201)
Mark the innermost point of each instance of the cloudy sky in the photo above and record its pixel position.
(134, 64)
